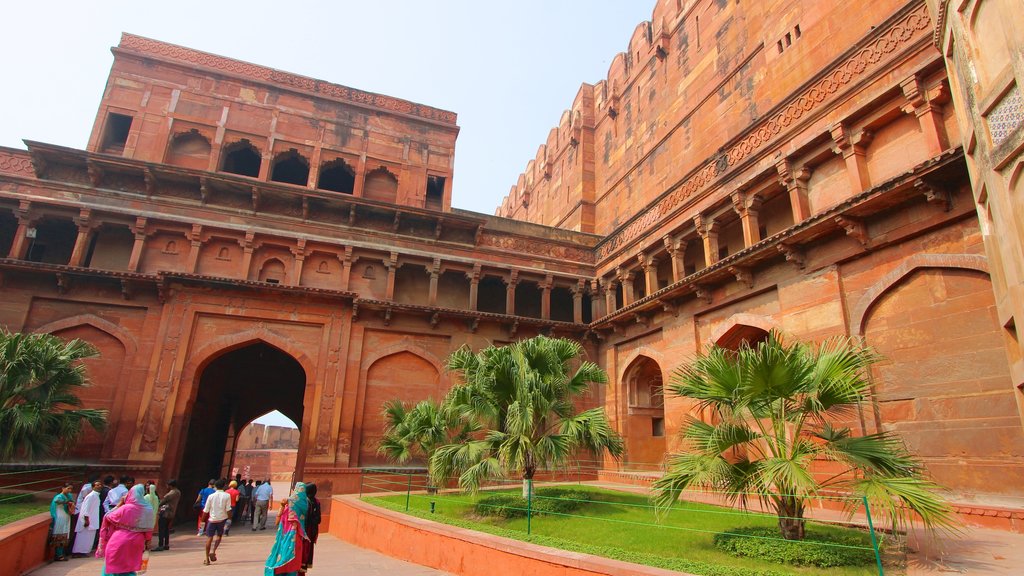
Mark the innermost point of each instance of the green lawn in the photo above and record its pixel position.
(11, 511)
(622, 525)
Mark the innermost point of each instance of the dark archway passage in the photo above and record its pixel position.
(234, 389)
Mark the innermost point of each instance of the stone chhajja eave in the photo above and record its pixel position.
(472, 236)
(878, 199)
(161, 283)
(434, 314)
(905, 30)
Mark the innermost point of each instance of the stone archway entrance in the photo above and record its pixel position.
(645, 434)
(232, 390)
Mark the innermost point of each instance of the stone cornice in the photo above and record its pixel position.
(253, 72)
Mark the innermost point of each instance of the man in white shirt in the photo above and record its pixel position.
(117, 492)
(88, 521)
(263, 496)
(218, 510)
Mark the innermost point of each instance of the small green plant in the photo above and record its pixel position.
(765, 544)
(545, 501)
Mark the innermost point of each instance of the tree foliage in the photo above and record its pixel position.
(40, 412)
(520, 398)
(773, 410)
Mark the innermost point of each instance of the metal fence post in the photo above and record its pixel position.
(874, 539)
(408, 492)
(529, 504)
(362, 478)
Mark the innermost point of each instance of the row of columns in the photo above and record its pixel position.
(924, 103)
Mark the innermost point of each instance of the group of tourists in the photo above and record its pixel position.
(114, 519)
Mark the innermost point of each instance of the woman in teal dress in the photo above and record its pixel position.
(286, 556)
(60, 521)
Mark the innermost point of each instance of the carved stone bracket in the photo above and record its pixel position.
(473, 325)
(305, 207)
(204, 189)
(935, 193)
(95, 173)
(256, 198)
(669, 306)
(514, 329)
(435, 319)
(352, 215)
(63, 283)
(854, 229)
(126, 289)
(743, 275)
(703, 293)
(355, 312)
(793, 254)
(151, 182)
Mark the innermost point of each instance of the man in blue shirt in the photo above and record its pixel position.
(200, 504)
(263, 495)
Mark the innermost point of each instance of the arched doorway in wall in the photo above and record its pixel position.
(645, 427)
(232, 390)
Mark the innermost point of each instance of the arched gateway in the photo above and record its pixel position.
(233, 387)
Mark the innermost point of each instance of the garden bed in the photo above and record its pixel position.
(623, 526)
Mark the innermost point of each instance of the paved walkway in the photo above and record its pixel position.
(244, 552)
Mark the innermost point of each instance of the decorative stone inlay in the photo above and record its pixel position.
(1006, 116)
(180, 53)
(898, 35)
(14, 163)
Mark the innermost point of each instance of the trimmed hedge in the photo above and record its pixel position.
(767, 545)
(545, 501)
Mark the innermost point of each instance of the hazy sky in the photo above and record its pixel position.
(508, 69)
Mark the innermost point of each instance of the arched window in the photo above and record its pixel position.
(190, 150)
(336, 176)
(290, 168)
(381, 185)
(241, 158)
(273, 272)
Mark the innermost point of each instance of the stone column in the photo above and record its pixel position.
(434, 270)
(577, 301)
(596, 302)
(21, 240)
(676, 248)
(609, 296)
(195, 243)
(795, 180)
(747, 207)
(299, 252)
(247, 249)
(347, 260)
(139, 230)
(853, 149)
(85, 226)
(708, 229)
(928, 112)
(392, 265)
(545, 297)
(474, 286)
(649, 266)
(626, 280)
(510, 292)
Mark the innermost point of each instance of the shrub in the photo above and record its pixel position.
(765, 544)
(545, 501)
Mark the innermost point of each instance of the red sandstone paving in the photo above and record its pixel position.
(244, 553)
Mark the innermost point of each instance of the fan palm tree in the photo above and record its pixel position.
(521, 397)
(40, 413)
(417, 431)
(776, 404)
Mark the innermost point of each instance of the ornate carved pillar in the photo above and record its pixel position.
(708, 229)
(545, 297)
(748, 206)
(626, 280)
(795, 180)
(85, 227)
(928, 111)
(392, 265)
(676, 248)
(434, 270)
(25, 223)
(577, 300)
(247, 249)
(347, 260)
(510, 292)
(474, 286)
(139, 230)
(649, 265)
(609, 296)
(853, 149)
(300, 258)
(195, 243)
(597, 304)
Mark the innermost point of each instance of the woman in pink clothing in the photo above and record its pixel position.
(126, 533)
